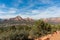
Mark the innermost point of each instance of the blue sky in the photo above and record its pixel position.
(35, 9)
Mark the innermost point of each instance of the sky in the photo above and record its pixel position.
(35, 9)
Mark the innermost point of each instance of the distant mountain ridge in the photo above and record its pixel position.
(16, 20)
(54, 20)
(19, 19)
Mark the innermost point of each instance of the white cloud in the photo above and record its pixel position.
(53, 11)
(12, 10)
(46, 1)
(7, 16)
(2, 6)
(8, 12)
(2, 12)
(16, 3)
(10, 16)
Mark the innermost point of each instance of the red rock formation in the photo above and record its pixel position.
(55, 20)
(28, 19)
(18, 18)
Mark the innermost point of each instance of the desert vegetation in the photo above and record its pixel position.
(28, 32)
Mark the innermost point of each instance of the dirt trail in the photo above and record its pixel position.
(54, 36)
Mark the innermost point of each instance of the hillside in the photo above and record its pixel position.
(39, 29)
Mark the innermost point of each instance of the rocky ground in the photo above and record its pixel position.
(54, 36)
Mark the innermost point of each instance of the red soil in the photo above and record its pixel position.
(54, 36)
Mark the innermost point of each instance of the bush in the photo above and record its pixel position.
(22, 32)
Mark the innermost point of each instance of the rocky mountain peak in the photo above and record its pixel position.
(17, 18)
